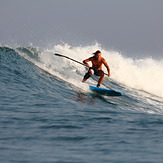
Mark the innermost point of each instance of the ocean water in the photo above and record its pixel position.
(48, 116)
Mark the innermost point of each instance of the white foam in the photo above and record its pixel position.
(142, 74)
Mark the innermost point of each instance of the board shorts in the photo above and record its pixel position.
(96, 72)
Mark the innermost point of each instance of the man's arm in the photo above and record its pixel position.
(85, 62)
(107, 66)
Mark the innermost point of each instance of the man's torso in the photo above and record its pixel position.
(97, 64)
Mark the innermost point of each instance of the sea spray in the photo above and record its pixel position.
(141, 74)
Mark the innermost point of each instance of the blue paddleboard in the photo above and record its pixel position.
(104, 91)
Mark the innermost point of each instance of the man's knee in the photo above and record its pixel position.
(102, 73)
(87, 75)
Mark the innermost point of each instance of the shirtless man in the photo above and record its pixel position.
(97, 62)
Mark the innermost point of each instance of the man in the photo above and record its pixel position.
(97, 62)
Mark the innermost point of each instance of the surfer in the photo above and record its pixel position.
(97, 62)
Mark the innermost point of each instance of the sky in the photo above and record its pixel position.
(132, 27)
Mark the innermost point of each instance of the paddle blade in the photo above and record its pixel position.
(58, 55)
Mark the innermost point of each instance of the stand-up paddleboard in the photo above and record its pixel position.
(104, 91)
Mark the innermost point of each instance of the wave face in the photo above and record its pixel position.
(140, 74)
(44, 105)
(134, 78)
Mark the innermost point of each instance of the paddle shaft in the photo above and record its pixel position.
(69, 58)
(59, 55)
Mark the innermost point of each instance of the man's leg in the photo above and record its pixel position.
(101, 74)
(86, 76)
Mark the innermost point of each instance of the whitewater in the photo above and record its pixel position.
(48, 115)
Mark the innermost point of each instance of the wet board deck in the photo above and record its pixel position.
(104, 91)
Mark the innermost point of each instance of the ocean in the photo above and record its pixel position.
(47, 115)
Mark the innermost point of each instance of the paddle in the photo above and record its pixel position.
(69, 58)
(60, 55)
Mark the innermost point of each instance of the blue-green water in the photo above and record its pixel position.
(44, 118)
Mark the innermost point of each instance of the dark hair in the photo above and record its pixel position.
(98, 51)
